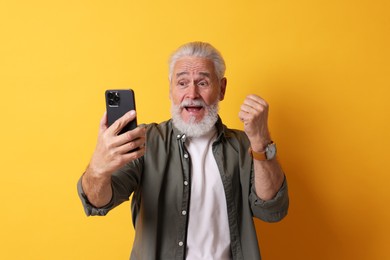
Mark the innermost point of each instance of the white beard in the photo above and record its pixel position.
(192, 128)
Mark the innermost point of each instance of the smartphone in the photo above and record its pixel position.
(118, 103)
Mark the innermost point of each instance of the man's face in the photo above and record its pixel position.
(193, 80)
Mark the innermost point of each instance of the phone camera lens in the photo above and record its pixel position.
(116, 97)
(113, 98)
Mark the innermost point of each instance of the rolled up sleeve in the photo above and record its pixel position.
(272, 210)
(89, 209)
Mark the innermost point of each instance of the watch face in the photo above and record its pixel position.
(270, 151)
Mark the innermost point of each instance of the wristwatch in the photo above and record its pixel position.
(268, 154)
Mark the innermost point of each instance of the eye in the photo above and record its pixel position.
(203, 83)
(182, 83)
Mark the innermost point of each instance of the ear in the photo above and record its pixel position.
(223, 84)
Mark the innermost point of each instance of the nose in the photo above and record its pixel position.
(192, 91)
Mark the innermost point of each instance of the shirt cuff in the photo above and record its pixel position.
(89, 209)
(274, 209)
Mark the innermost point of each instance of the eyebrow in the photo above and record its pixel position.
(204, 74)
(181, 74)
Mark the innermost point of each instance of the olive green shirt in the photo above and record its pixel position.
(160, 182)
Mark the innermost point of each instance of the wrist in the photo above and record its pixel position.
(97, 174)
(267, 153)
(260, 144)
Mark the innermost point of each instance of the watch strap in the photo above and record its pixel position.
(260, 156)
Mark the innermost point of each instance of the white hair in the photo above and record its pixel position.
(199, 49)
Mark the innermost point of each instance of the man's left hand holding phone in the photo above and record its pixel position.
(114, 147)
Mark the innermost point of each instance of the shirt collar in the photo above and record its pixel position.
(220, 130)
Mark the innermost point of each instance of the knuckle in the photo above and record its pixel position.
(133, 156)
(112, 153)
(129, 135)
(120, 161)
(116, 126)
(109, 144)
(260, 107)
(127, 118)
(111, 156)
(121, 124)
(131, 145)
(103, 136)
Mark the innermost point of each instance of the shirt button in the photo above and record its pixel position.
(181, 243)
(184, 212)
(185, 155)
(185, 183)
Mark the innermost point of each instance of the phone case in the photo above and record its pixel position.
(118, 103)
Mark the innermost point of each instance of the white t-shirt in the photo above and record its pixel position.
(208, 227)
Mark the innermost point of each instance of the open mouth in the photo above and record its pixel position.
(193, 109)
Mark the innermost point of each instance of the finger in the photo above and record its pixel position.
(135, 154)
(257, 99)
(254, 107)
(249, 110)
(103, 122)
(133, 145)
(243, 116)
(119, 124)
(254, 99)
(129, 136)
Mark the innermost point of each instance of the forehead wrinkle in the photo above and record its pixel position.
(194, 66)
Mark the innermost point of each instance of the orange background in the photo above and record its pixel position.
(322, 65)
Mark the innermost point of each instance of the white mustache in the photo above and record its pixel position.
(196, 102)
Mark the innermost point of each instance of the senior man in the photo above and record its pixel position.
(196, 184)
